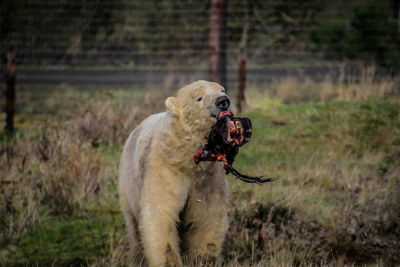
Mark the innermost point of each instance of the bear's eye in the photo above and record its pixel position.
(223, 90)
(199, 99)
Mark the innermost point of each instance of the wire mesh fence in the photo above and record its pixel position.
(145, 43)
(152, 44)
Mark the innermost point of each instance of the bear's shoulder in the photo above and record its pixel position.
(152, 124)
(155, 120)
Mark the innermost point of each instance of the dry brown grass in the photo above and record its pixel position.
(58, 168)
(369, 86)
(335, 203)
(338, 202)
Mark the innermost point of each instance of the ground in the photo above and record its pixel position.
(334, 148)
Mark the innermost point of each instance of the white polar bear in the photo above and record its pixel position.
(172, 207)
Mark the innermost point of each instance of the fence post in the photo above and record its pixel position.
(217, 41)
(241, 80)
(10, 91)
(242, 68)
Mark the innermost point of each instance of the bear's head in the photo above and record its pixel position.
(196, 105)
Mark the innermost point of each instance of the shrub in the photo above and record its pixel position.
(370, 35)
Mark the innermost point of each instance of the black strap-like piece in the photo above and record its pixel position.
(248, 179)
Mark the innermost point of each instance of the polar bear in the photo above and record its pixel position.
(174, 208)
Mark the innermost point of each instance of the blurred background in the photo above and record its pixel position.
(319, 79)
(169, 43)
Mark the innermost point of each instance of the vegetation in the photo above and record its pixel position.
(370, 35)
(334, 148)
(136, 32)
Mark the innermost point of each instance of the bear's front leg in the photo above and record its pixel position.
(207, 212)
(162, 199)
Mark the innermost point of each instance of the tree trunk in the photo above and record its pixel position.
(395, 5)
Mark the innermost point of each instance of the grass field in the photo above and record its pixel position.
(334, 149)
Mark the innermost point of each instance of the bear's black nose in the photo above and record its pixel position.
(223, 103)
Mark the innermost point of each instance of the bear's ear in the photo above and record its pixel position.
(173, 105)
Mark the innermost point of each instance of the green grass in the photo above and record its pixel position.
(63, 241)
(81, 238)
(329, 159)
(300, 127)
(334, 200)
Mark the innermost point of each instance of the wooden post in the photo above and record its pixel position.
(241, 80)
(242, 69)
(217, 41)
(10, 91)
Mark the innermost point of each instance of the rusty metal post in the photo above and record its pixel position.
(217, 41)
(10, 91)
(242, 67)
(241, 80)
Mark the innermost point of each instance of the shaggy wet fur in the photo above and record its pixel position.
(169, 203)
